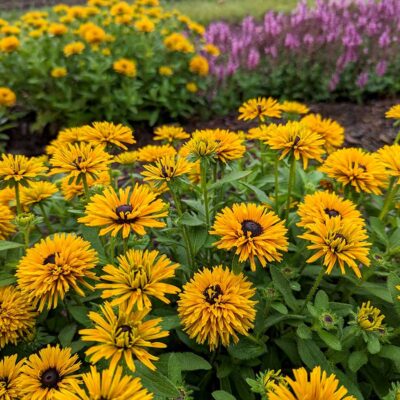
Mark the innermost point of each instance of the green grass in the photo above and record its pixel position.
(206, 11)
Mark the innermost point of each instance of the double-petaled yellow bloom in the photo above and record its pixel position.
(370, 318)
(10, 371)
(6, 225)
(139, 276)
(255, 232)
(390, 157)
(151, 153)
(36, 192)
(127, 211)
(73, 48)
(260, 108)
(199, 65)
(393, 112)
(216, 305)
(123, 335)
(170, 133)
(294, 107)
(7, 97)
(125, 67)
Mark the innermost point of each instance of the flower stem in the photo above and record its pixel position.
(262, 156)
(292, 177)
(205, 193)
(397, 140)
(188, 244)
(314, 288)
(276, 173)
(45, 218)
(85, 187)
(391, 192)
(237, 266)
(17, 198)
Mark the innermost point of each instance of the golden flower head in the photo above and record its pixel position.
(199, 65)
(331, 131)
(317, 386)
(10, 372)
(260, 108)
(125, 67)
(106, 133)
(216, 305)
(229, 145)
(296, 140)
(390, 157)
(164, 70)
(363, 171)
(338, 241)
(192, 87)
(121, 8)
(127, 211)
(36, 192)
(370, 318)
(254, 231)
(294, 107)
(211, 49)
(151, 153)
(20, 169)
(139, 276)
(262, 132)
(6, 225)
(393, 112)
(53, 267)
(126, 158)
(80, 159)
(59, 72)
(322, 205)
(107, 384)
(166, 169)
(144, 25)
(7, 97)
(7, 197)
(10, 30)
(123, 335)
(178, 42)
(57, 29)
(202, 144)
(17, 317)
(49, 371)
(73, 48)
(170, 133)
(9, 44)
(93, 34)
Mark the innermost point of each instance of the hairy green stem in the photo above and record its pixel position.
(203, 176)
(276, 174)
(314, 288)
(391, 192)
(17, 198)
(292, 177)
(45, 218)
(85, 187)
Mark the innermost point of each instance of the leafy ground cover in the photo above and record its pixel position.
(207, 265)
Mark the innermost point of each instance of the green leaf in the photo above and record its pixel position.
(156, 382)
(92, 236)
(261, 196)
(321, 300)
(231, 177)
(174, 369)
(192, 362)
(378, 228)
(191, 220)
(357, 359)
(374, 346)
(5, 245)
(282, 284)
(247, 349)
(7, 279)
(304, 332)
(390, 352)
(332, 341)
(311, 355)
(222, 395)
(67, 334)
(79, 314)
(170, 322)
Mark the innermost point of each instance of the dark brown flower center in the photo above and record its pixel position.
(296, 140)
(340, 236)
(212, 293)
(370, 318)
(50, 259)
(50, 378)
(77, 162)
(328, 318)
(251, 226)
(122, 211)
(125, 328)
(259, 110)
(331, 212)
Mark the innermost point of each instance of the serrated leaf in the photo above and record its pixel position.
(357, 359)
(222, 395)
(192, 362)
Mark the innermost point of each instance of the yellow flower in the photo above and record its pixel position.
(95, 35)
(20, 169)
(7, 97)
(17, 317)
(57, 29)
(165, 70)
(60, 8)
(152, 153)
(59, 72)
(166, 169)
(48, 372)
(229, 145)
(10, 30)
(72, 189)
(138, 277)
(9, 44)
(126, 210)
(36, 192)
(36, 33)
(363, 171)
(126, 158)
(254, 231)
(125, 67)
(295, 139)
(124, 335)
(271, 379)
(370, 318)
(331, 131)
(106, 133)
(319, 386)
(106, 52)
(217, 305)
(390, 157)
(199, 65)
(178, 42)
(170, 133)
(393, 112)
(211, 49)
(322, 205)
(202, 144)
(121, 8)
(192, 87)
(53, 267)
(338, 241)
(144, 25)
(260, 108)
(73, 48)
(10, 371)
(107, 384)
(6, 225)
(294, 107)
(262, 132)
(80, 160)
(7, 197)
